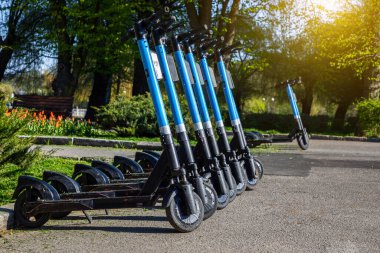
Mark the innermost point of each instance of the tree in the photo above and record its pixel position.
(19, 28)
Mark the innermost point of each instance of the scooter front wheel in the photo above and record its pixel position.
(233, 190)
(303, 140)
(20, 210)
(251, 182)
(211, 201)
(259, 167)
(177, 213)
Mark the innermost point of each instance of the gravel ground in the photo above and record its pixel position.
(318, 201)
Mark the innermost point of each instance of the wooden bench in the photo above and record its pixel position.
(57, 105)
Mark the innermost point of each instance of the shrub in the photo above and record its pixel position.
(369, 116)
(14, 150)
(129, 116)
(136, 116)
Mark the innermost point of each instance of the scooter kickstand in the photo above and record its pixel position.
(89, 217)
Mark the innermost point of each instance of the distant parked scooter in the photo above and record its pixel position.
(299, 132)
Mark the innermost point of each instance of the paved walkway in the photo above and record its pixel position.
(323, 200)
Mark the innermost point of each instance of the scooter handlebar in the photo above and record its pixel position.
(237, 45)
(290, 82)
(194, 32)
(210, 43)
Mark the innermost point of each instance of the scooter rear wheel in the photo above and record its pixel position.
(60, 189)
(303, 140)
(178, 216)
(24, 220)
(211, 201)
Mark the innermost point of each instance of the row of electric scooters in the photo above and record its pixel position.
(192, 182)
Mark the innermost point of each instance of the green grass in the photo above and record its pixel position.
(9, 173)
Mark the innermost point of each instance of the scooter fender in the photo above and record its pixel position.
(127, 162)
(47, 191)
(169, 196)
(70, 184)
(97, 175)
(111, 171)
(153, 153)
(140, 156)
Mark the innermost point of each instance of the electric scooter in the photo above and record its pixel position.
(237, 181)
(36, 199)
(202, 151)
(253, 167)
(299, 132)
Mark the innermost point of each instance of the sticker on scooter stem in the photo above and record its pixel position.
(230, 80)
(201, 78)
(156, 66)
(213, 79)
(172, 68)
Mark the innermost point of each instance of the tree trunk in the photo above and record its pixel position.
(307, 101)
(140, 84)
(64, 82)
(5, 57)
(340, 114)
(101, 90)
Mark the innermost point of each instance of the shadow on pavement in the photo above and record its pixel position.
(114, 217)
(139, 230)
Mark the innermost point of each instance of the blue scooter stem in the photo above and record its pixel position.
(182, 137)
(163, 123)
(239, 137)
(293, 104)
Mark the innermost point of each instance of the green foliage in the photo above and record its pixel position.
(352, 40)
(284, 123)
(14, 150)
(6, 91)
(129, 116)
(10, 172)
(136, 116)
(254, 105)
(369, 116)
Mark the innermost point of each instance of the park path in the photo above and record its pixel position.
(323, 200)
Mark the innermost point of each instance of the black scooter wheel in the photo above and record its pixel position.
(24, 220)
(211, 201)
(303, 140)
(251, 182)
(259, 167)
(233, 190)
(223, 199)
(60, 189)
(178, 215)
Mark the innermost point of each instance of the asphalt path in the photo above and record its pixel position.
(325, 199)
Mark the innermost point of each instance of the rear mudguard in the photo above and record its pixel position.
(153, 153)
(127, 164)
(141, 156)
(85, 170)
(111, 171)
(70, 184)
(47, 191)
